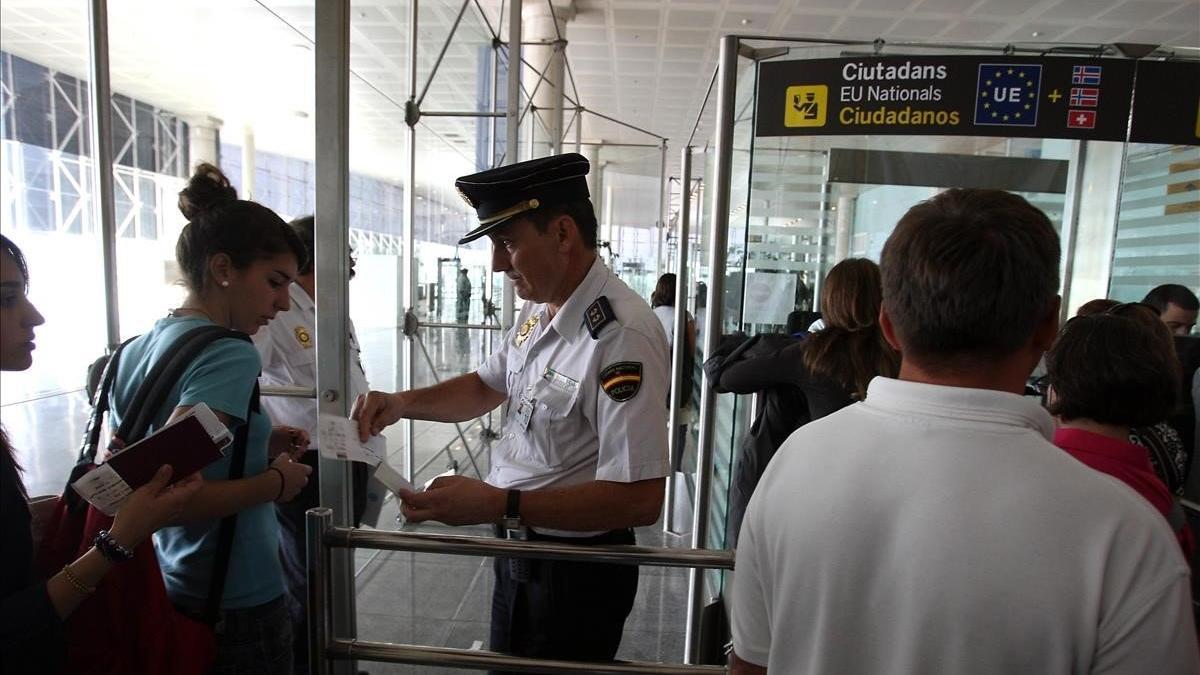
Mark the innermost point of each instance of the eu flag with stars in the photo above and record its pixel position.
(1007, 94)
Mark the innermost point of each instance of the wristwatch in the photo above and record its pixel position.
(512, 511)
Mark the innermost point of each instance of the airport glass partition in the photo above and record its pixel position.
(819, 174)
(1158, 233)
(47, 209)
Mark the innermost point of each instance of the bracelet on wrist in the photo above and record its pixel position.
(75, 582)
(282, 482)
(110, 548)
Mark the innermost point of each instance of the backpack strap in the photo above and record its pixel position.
(158, 383)
(102, 384)
(220, 570)
(100, 404)
(145, 406)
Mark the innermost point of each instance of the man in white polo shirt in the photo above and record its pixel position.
(933, 528)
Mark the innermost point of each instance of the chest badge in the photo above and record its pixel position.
(303, 337)
(526, 329)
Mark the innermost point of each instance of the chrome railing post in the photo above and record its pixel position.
(675, 447)
(726, 89)
(318, 521)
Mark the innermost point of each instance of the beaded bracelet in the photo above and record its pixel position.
(75, 581)
(109, 548)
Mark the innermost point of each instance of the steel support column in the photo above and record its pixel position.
(674, 447)
(408, 264)
(332, 257)
(512, 135)
(726, 89)
(103, 201)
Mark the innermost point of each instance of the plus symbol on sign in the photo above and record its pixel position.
(1081, 119)
(1054, 96)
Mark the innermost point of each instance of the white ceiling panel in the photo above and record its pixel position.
(1139, 11)
(810, 24)
(668, 46)
(973, 30)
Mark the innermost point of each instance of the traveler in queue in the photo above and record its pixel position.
(32, 609)
(933, 527)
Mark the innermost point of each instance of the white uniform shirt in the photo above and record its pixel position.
(562, 428)
(288, 347)
(935, 529)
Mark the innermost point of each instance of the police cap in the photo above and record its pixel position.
(501, 194)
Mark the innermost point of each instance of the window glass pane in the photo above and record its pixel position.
(43, 171)
(1158, 232)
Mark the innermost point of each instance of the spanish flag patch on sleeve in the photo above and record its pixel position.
(622, 380)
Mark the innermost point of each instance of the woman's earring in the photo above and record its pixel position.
(224, 284)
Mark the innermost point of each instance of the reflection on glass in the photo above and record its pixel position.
(1158, 234)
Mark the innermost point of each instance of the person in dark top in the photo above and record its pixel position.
(1177, 307)
(32, 609)
(811, 378)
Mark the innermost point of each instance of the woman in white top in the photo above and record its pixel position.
(662, 301)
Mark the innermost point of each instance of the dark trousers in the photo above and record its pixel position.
(252, 640)
(567, 610)
(292, 544)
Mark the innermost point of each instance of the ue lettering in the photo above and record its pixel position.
(1001, 94)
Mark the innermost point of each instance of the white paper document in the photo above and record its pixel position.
(338, 439)
(391, 479)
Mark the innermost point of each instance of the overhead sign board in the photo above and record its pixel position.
(1166, 103)
(1050, 97)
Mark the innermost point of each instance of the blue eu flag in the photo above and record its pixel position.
(1007, 94)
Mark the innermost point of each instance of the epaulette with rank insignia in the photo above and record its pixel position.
(598, 315)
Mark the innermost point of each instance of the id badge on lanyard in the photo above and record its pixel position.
(525, 407)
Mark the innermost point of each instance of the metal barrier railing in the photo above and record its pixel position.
(323, 647)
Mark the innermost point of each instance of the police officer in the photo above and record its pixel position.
(583, 456)
(288, 349)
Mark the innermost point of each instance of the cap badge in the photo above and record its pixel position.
(464, 196)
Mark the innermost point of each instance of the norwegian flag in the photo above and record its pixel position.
(1085, 97)
(1086, 75)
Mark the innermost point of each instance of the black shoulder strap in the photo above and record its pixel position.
(237, 469)
(146, 405)
(91, 435)
(148, 399)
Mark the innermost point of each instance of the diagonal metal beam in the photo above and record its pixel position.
(442, 54)
(483, 17)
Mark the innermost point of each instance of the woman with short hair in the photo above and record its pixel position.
(1110, 372)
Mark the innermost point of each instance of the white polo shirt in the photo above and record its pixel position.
(288, 347)
(935, 529)
(563, 428)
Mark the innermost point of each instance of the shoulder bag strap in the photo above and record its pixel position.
(237, 469)
(162, 378)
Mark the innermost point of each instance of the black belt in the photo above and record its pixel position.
(610, 538)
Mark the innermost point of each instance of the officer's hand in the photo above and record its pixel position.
(454, 500)
(375, 411)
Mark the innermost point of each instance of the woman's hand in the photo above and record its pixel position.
(294, 476)
(152, 506)
(285, 439)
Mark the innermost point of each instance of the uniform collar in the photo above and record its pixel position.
(569, 321)
(985, 407)
(300, 299)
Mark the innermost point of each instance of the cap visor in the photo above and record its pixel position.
(482, 230)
